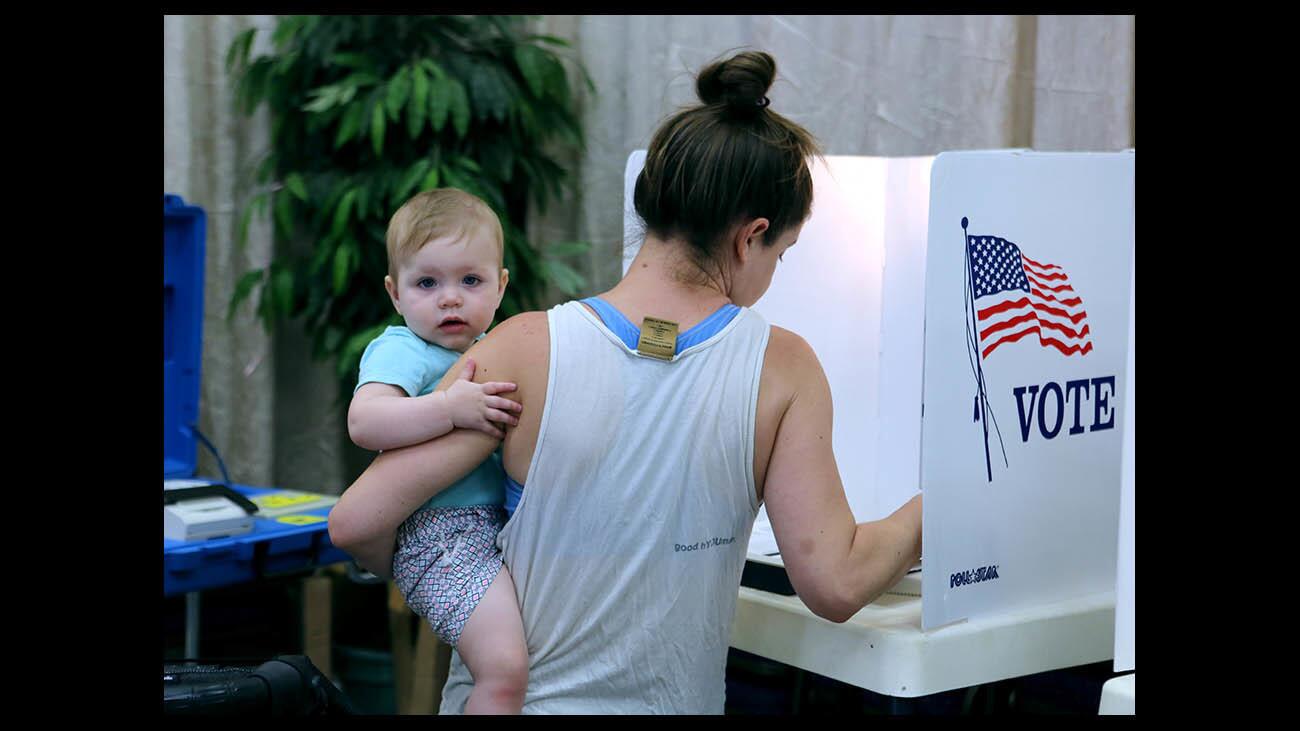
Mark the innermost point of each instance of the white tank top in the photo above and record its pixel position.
(627, 546)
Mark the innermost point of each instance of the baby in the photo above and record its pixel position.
(446, 279)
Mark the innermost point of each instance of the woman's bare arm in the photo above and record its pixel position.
(365, 520)
(836, 565)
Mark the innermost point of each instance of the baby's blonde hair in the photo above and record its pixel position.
(434, 214)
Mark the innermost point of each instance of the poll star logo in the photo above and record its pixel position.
(1010, 297)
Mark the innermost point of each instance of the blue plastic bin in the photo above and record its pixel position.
(184, 244)
(273, 546)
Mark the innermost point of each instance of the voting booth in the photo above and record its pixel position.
(1125, 654)
(1027, 306)
(972, 312)
(1118, 695)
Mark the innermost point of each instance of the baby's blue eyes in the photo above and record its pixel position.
(429, 282)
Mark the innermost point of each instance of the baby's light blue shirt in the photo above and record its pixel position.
(401, 358)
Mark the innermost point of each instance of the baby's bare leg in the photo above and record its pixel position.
(492, 647)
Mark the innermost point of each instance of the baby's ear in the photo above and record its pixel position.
(505, 277)
(391, 288)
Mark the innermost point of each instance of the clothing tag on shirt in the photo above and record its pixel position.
(658, 338)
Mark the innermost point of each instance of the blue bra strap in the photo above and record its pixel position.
(618, 324)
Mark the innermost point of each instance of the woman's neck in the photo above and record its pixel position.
(659, 284)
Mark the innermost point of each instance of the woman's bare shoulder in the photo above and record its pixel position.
(790, 366)
(514, 348)
(789, 352)
(523, 325)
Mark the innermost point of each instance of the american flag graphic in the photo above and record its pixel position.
(1015, 296)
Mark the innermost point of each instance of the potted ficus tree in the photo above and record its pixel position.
(368, 110)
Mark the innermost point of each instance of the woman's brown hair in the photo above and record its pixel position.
(727, 160)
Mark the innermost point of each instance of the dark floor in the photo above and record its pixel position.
(252, 623)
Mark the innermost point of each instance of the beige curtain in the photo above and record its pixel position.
(867, 85)
(863, 85)
(263, 403)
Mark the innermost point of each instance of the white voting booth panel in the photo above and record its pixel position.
(1119, 697)
(852, 288)
(1125, 571)
(1026, 345)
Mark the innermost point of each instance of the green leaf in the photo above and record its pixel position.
(358, 79)
(286, 29)
(256, 205)
(569, 131)
(527, 119)
(557, 84)
(434, 69)
(399, 89)
(324, 214)
(489, 92)
(459, 108)
(430, 181)
(325, 98)
(253, 84)
(419, 107)
(353, 60)
(282, 292)
(530, 65)
(322, 255)
(342, 268)
(244, 218)
(351, 123)
(285, 63)
(439, 102)
(549, 39)
(265, 168)
(363, 201)
(243, 288)
(412, 176)
(296, 185)
(377, 129)
(237, 55)
(342, 211)
(284, 214)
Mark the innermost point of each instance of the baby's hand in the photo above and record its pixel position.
(476, 405)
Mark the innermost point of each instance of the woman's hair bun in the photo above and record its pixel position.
(741, 82)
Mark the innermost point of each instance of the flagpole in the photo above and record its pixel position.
(979, 356)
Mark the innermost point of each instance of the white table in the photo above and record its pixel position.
(883, 649)
(1117, 697)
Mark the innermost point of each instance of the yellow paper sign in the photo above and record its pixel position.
(301, 519)
(283, 500)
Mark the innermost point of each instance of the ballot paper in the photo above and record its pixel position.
(762, 541)
(288, 502)
(179, 484)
